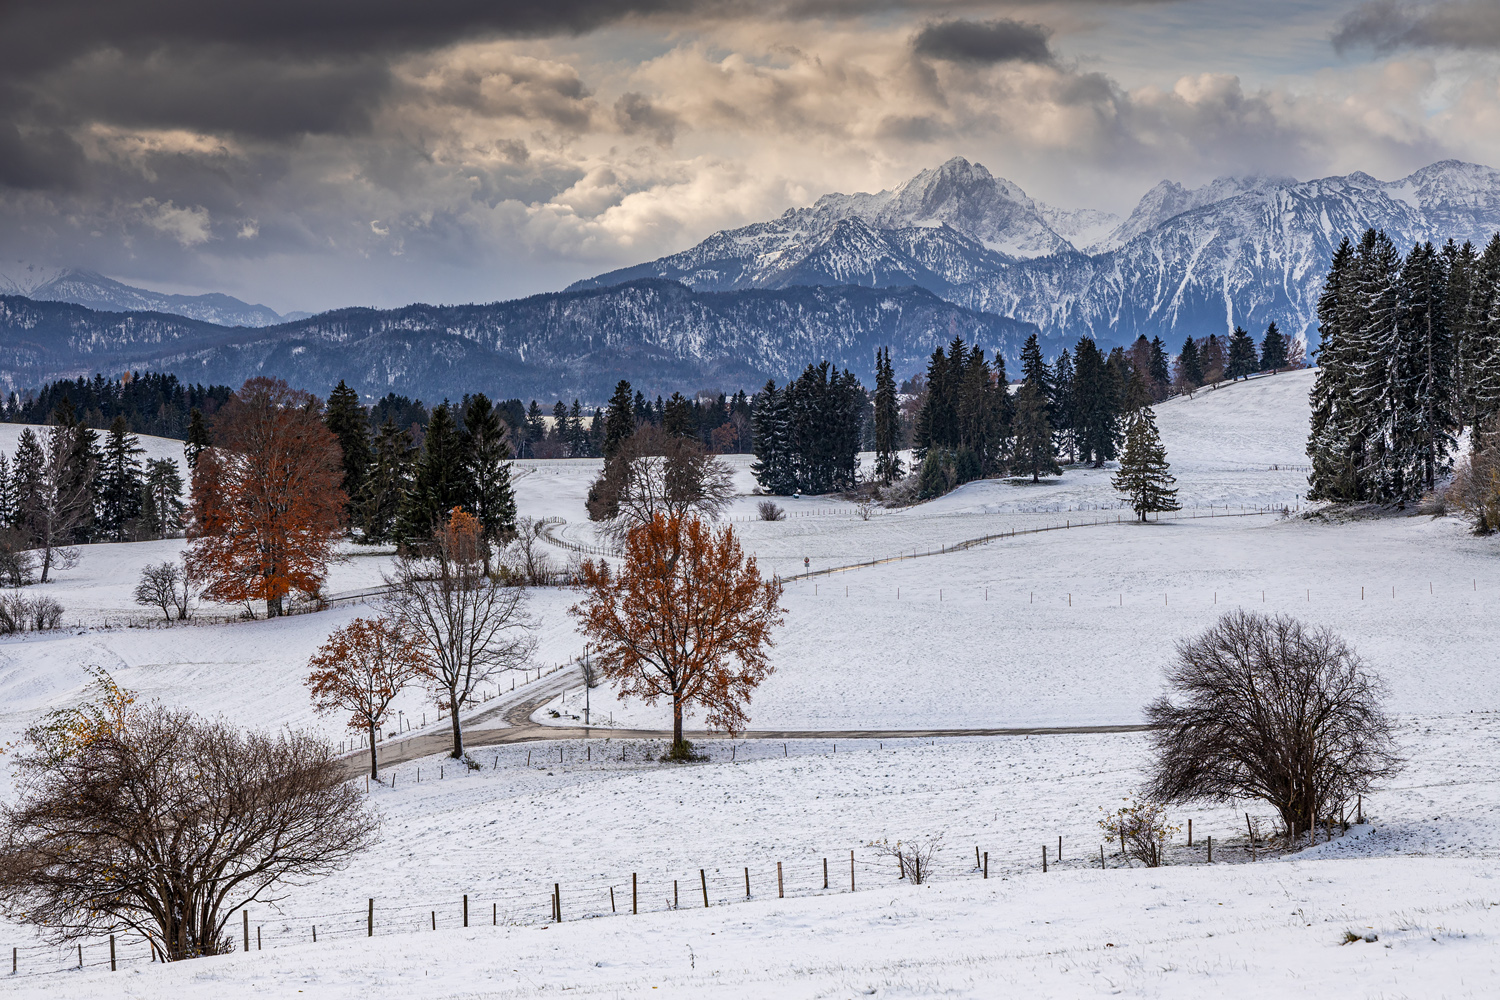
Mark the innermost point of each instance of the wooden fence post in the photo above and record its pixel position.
(986, 864)
(851, 871)
(370, 918)
(1044, 859)
(466, 910)
(780, 890)
(634, 908)
(675, 904)
(703, 880)
(557, 895)
(246, 915)
(611, 899)
(257, 940)
(825, 873)
(1190, 833)
(112, 951)
(1210, 848)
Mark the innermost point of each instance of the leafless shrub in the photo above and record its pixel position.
(1271, 710)
(913, 857)
(1142, 831)
(864, 509)
(525, 557)
(1475, 489)
(17, 561)
(768, 511)
(167, 824)
(19, 613)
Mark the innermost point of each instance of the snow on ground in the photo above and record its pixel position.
(1064, 627)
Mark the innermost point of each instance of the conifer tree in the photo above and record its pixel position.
(1035, 370)
(1481, 339)
(1159, 370)
(1460, 262)
(677, 416)
(27, 473)
(937, 420)
(1096, 404)
(388, 482)
(1062, 413)
(1334, 473)
(1189, 366)
(1242, 361)
(1424, 280)
(1144, 478)
(162, 507)
(350, 424)
(772, 445)
(1031, 449)
(7, 494)
(117, 487)
(887, 419)
(197, 437)
(1211, 351)
(487, 492)
(439, 483)
(620, 423)
(1273, 350)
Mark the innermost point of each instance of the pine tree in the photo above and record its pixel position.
(1189, 366)
(1481, 339)
(439, 482)
(27, 474)
(1096, 404)
(677, 416)
(1273, 350)
(1242, 361)
(1062, 413)
(1031, 447)
(772, 445)
(118, 483)
(887, 419)
(620, 423)
(579, 443)
(487, 492)
(1035, 370)
(938, 418)
(162, 507)
(1211, 351)
(1461, 263)
(350, 424)
(1144, 478)
(7, 494)
(1430, 389)
(1159, 370)
(388, 482)
(1334, 473)
(197, 437)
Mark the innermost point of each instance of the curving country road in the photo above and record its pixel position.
(516, 708)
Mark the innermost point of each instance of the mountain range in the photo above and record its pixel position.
(1238, 251)
(953, 251)
(660, 335)
(89, 288)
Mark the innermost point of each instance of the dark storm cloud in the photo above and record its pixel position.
(635, 114)
(1387, 26)
(985, 42)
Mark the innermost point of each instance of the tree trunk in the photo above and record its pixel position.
(458, 733)
(679, 747)
(273, 606)
(374, 765)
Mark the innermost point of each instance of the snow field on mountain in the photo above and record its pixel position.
(504, 836)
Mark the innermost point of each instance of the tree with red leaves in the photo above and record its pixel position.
(360, 670)
(267, 498)
(687, 616)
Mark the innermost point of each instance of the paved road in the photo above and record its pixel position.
(516, 708)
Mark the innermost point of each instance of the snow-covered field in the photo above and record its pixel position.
(1067, 627)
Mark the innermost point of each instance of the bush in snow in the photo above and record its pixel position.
(1475, 490)
(38, 614)
(913, 857)
(1274, 710)
(769, 511)
(1142, 831)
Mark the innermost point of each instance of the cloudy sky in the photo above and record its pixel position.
(315, 153)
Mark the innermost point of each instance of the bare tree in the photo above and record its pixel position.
(769, 511)
(164, 823)
(1272, 710)
(913, 857)
(530, 563)
(158, 587)
(470, 627)
(653, 473)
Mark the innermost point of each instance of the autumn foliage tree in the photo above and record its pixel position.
(686, 617)
(360, 669)
(267, 498)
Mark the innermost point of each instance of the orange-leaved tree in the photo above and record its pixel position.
(267, 498)
(687, 616)
(360, 669)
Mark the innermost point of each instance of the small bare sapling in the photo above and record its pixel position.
(1141, 830)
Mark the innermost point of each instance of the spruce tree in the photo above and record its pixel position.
(1035, 370)
(1144, 478)
(1460, 262)
(1189, 366)
(7, 494)
(117, 483)
(1334, 473)
(28, 482)
(1062, 412)
(1031, 447)
(1273, 350)
(1430, 389)
(1242, 361)
(677, 416)
(163, 510)
(439, 483)
(1096, 404)
(1159, 370)
(350, 425)
(773, 458)
(887, 419)
(620, 423)
(486, 467)
(197, 437)
(1481, 361)
(388, 482)
(1211, 350)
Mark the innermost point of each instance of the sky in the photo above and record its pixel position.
(308, 154)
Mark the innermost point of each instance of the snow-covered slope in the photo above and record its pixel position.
(1237, 251)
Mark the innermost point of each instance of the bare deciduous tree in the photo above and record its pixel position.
(653, 473)
(527, 560)
(1272, 710)
(167, 824)
(470, 627)
(769, 511)
(167, 586)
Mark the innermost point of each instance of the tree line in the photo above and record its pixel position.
(1409, 356)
